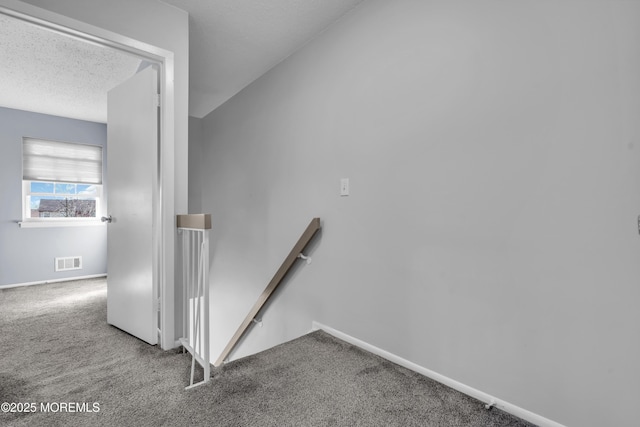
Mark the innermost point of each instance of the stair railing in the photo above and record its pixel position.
(195, 291)
(295, 254)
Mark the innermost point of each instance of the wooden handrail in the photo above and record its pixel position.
(306, 237)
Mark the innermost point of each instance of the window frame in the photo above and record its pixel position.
(26, 206)
(52, 221)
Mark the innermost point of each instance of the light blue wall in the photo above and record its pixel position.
(27, 254)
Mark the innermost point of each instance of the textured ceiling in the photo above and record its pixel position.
(232, 43)
(46, 72)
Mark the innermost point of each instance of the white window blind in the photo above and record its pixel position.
(61, 161)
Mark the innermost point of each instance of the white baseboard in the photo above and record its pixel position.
(42, 282)
(463, 388)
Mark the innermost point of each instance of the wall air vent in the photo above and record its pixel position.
(69, 263)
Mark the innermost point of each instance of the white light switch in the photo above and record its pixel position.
(344, 187)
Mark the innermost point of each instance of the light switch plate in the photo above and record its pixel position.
(344, 186)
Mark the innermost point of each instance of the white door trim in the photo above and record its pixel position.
(164, 211)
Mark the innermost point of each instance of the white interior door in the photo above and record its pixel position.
(132, 173)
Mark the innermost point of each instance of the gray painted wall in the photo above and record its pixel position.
(27, 254)
(195, 172)
(491, 233)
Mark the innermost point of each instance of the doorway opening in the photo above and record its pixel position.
(163, 61)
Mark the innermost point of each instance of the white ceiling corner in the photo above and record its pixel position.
(233, 42)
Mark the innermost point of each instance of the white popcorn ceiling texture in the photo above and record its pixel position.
(232, 43)
(46, 72)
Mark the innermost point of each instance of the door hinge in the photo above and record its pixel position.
(158, 100)
(156, 305)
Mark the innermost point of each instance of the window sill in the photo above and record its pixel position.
(55, 224)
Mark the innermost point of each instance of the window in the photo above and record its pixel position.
(61, 181)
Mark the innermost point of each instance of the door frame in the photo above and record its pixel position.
(164, 249)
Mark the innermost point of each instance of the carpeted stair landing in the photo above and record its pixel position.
(57, 348)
